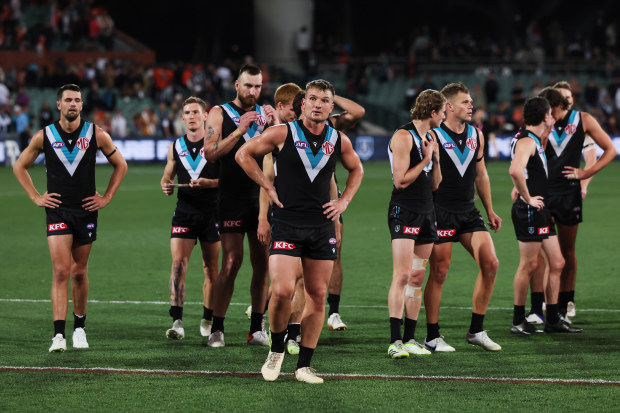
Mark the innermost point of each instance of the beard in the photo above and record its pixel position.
(247, 101)
(71, 116)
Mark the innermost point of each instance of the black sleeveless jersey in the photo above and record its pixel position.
(234, 182)
(70, 162)
(564, 149)
(304, 168)
(418, 196)
(536, 168)
(458, 153)
(191, 164)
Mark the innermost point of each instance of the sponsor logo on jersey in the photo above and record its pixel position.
(82, 143)
(543, 230)
(411, 230)
(301, 145)
(58, 145)
(183, 153)
(449, 145)
(282, 245)
(471, 143)
(332, 241)
(202, 152)
(327, 148)
(577, 209)
(180, 230)
(446, 233)
(57, 226)
(232, 223)
(570, 129)
(90, 225)
(260, 120)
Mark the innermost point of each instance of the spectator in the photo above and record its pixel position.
(22, 125)
(491, 89)
(5, 121)
(118, 128)
(45, 115)
(591, 94)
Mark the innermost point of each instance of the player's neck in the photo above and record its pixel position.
(240, 105)
(538, 130)
(195, 136)
(314, 127)
(422, 126)
(563, 114)
(455, 125)
(69, 126)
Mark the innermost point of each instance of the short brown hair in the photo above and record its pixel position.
(194, 99)
(286, 93)
(297, 102)
(68, 86)
(562, 84)
(554, 97)
(452, 89)
(321, 84)
(428, 101)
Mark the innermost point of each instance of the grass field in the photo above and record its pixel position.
(131, 366)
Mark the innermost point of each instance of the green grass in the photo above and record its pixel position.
(131, 262)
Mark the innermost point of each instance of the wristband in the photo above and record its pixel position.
(237, 134)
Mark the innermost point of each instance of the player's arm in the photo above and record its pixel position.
(602, 139)
(263, 231)
(351, 161)
(353, 112)
(170, 171)
(524, 149)
(95, 202)
(333, 194)
(589, 155)
(401, 145)
(483, 187)
(20, 169)
(217, 145)
(270, 140)
(436, 170)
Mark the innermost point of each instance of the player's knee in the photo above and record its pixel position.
(439, 272)
(282, 292)
(557, 264)
(61, 273)
(416, 278)
(489, 267)
(231, 264)
(178, 268)
(79, 276)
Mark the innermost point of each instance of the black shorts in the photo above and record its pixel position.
(194, 226)
(566, 208)
(407, 224)
(531, 224)
(451, 225)
(317, 243)
(80, 223)
(237, 215)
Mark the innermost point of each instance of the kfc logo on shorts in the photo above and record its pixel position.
(570, 129)
(282, 245)
(90, 225)
(82, 143)
(58, 145)
(471, 143)
(449, 145)
(301, 145)
(260, 121)
(411, 230)
(57, 226)
(446, 233)
(180, 230)
(183, 154)
(327, 148)
(543, 231)
(332, 241)
(233, 223)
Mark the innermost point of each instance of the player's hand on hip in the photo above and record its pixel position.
(537, 202)
(246, 120)
(334, 208)
(95, 202)
(273, 195)
(48, 200)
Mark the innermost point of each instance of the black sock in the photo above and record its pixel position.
(256, 321)
(537, 299)
(563, 301)
(294, 330)
(78, 321)
(207, 313)
(519, 315)
(305, 356)
(59, 327)
(395, 324)
(477, 321)
(432, 331)
(553, 313)
(277, 341)
(218, 324)
(176, 312)
(334, 302)
(410, 325)
(571, 296)
(266, 305)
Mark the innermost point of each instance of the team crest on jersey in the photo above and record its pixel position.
(82, 143)
(570, 129)
(260, 120)
(301, 145)
(327, 148)
(449, 145)
(471, 143)
(58, 145)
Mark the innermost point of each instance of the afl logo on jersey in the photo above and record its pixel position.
(90, 226)
(327, 148)
(332, 241)
(82, 143)
(183, 154)
(449, 145)
(301, 145)
(202, 152)
(471, 143)
(236, 120)
(58, 145)
(570, 129)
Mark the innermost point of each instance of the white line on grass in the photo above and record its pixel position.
(110, 370)
(28, 300)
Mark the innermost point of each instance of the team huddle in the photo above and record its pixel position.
(269, 173)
